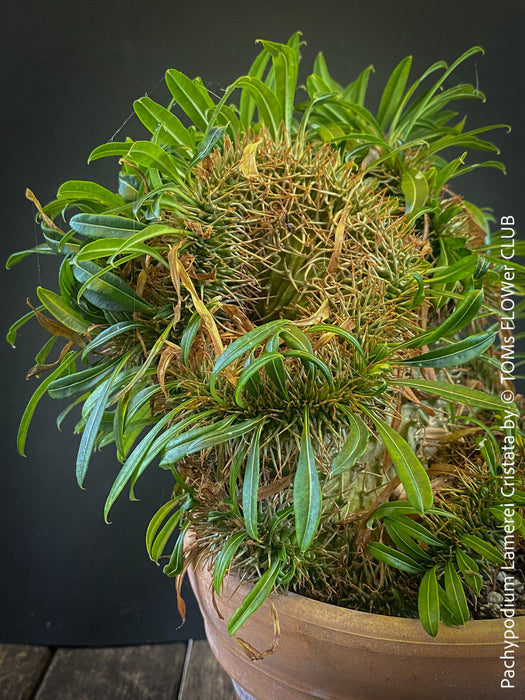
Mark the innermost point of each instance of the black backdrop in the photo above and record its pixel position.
(70, 71)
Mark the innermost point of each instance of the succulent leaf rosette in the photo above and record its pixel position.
(287, 306)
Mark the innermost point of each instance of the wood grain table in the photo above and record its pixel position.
(180, 671)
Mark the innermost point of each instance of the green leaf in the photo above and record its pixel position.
(411, 472)
(113, 148)
(455, 593)
(243, 345)
(268, 106)
(107, 291)
(175, 566)
(355, 444)
(161, 540)
(207, 144)
(117, 246)
(469, 570)
(11, 333)
(188, 336)
(392, 557)
(393, 92)
(255, 598)
(89, 436)
(453, 392)
(286, 65)
(225, 558)
(462, 315)
(89, 191)
(414, 529)
(460, 270)
(275, 369)
(482, 547)
(80, 382)
(401, 538)
(454, 354)
(42, 249)
(311, 359)
(428, 602)
(217, 434)
(62, 311)
(151, 155)
(104, 226)
(307, 497)
(161, 122)
(108, 334)
(251, 485)
(415, 188)
(35, 398)
(328, 328)
(192, 97)
(156, 520)
(146, 450)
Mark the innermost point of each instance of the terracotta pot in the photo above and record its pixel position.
(339, 654)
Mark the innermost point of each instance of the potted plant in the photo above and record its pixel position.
(288, 305)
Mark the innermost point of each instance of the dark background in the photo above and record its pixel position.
(70, 72)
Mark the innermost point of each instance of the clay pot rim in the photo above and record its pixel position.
(373, 626)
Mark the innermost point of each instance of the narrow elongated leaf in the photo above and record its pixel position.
(113, 148)
(355, 444)
(109, 333)
(64, 366)
(151, 155)
(394, 558)
(415, 188)
(285, 65)
(268, 106)
(275, 369)
(11, 333)
(188, 336)
(192, 97)
(251, 371)
(482, 547)
(107, 291)
(460, 270)
(157, 520)
(312, 360)
(428, 602)
(469, 570)
(89, 436)
(157, 119)
(172, 448)
(307, 497)
(251, 485)
(328, 328)
(62, 311)
(217, 436)
(453, 392)
(90, 191)
(416, 530)
(393, 92)
(223, 561)
(255, 598)
(411, 472)
(80, 382)
(42, 249)
(114, 246)
(243, 345)
(104, 226)
(455, 593)
(175, 566)
(455, 354)
(402, 539)
(164, 535)
(465, 312)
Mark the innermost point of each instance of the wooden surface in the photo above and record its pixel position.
(149, 672)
